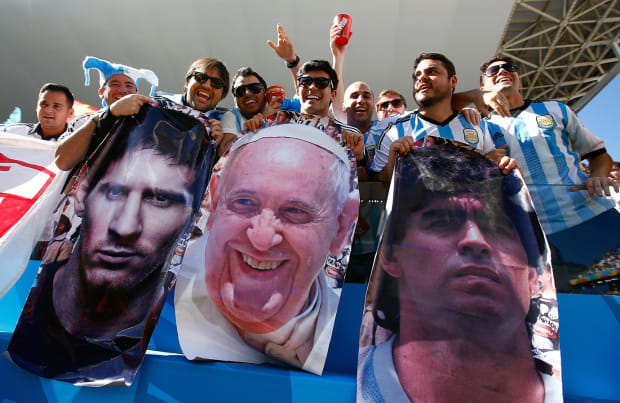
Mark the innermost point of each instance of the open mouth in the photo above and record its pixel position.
(261, 265)
(203, 95)
(502, 80)
(312, 97)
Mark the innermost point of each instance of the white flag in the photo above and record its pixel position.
(30, 185)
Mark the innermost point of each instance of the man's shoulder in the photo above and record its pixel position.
(344, 126)
(19, 128)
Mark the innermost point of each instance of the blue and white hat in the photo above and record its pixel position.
(107, 69)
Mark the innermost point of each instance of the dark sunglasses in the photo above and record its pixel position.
(396, 103)
(493, 70)
(202, 78)
(320, 82)
(254, 88)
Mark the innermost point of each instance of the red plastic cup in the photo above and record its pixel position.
(343, 21)
(275, 91)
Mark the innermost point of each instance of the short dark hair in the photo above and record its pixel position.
(496, 58)
(319, 65)
(248, 71)
(176, 141)
(440, 171)
(209, 63)
(390, 91)
(435, 56)
(53, 87)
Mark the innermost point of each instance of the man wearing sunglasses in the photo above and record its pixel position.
(390, 103)
(316, 89)
(206, 84)
(436, 120)
(549, 141)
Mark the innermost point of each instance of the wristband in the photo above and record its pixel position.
(294, 63)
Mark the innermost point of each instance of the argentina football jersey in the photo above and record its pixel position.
(549, 142)
(454, 129)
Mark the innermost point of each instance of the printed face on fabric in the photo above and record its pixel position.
(131, 219)
(268, 240)
(463, 257)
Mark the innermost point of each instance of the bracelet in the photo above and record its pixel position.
(95, 121)
(294, 63)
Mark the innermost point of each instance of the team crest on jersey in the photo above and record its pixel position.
(471, 136)
(545, 121)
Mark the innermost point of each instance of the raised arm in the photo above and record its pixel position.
(338, 61)
(286, 51)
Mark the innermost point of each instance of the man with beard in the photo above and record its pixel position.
(88, 315)
(206, 83)
(434, 81)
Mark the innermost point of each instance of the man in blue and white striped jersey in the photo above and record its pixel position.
(434, 81)
(549, 141)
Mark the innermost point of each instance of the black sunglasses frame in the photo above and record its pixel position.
(202, 78)
(319, 82)
(493, 70)
(255, 88)
(396, 103)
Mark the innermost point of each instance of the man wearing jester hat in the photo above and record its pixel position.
(118, 90)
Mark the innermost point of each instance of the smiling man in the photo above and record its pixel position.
(549, 141)
(434, 82)
(118, 91)
(266, 252)
(103, 301)
(454, 280)
(54, 106)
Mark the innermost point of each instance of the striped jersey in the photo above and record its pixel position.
(455, 128)
(372, 135)
(549, 141)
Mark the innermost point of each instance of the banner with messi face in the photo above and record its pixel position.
(461, 304)
(98, 294)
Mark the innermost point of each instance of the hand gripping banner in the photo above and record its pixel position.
(461, 304)
(91, 312)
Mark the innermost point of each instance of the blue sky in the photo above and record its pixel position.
(599, 116)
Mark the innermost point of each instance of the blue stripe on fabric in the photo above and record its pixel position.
(497, 134)
(418, 129)
(445, 131)
(577, 198)
(537, 174)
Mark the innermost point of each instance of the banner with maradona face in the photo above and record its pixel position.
(461, 304)
(106, 273)
(257, 284)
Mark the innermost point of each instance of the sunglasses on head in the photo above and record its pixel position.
(202, 78)
(493, 70)
(396, 103)
(320, 82)
(254, 88)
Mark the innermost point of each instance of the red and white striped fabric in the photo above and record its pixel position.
(30, 185)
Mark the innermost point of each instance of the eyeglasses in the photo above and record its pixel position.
(396, 103)
(254, 88)
(493, 70)
(202, 78)
(320, 82)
